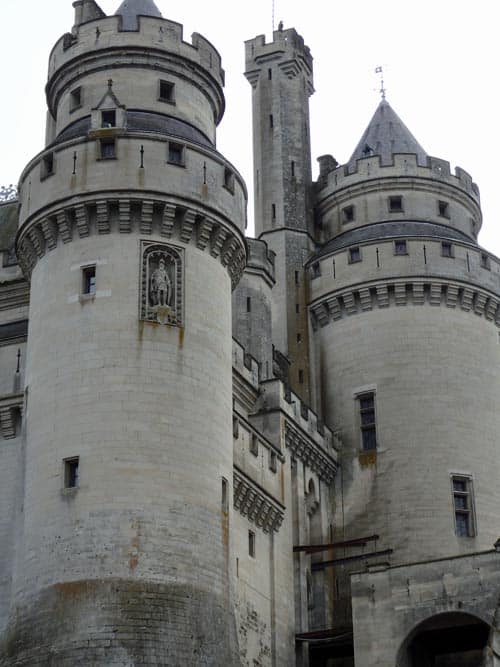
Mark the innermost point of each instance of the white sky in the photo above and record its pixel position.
(440, 59)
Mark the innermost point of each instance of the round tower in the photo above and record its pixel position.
(405, 310)
(131, 229)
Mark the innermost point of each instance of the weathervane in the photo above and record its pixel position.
(380, 70)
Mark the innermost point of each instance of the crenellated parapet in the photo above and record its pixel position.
(288, 48)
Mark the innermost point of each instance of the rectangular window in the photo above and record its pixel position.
(292, 168)
(297, 278)
(229, 180)
(254, 445)
(273, 461)
(89, 280)
(396, 204)
(400, 248)
(176, 154)
(108, 149)
(316, 270)
(72, 473)
(108, 118)
(47, 166)
(249, 304)
(271, 121)
(225, 495)
(236, 427)
(251, 543)
(273, 211)
(485, 261)
(348, 214)
(444, 209)
(354, 255)
(367, 421)
(446, 249)
(75, 99)
(463, 506)
(301, 377)
(297, 308)
(269, 74)
(299, 338)
(166, 92)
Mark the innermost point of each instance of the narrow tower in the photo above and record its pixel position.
(131, 228)
(281, 76)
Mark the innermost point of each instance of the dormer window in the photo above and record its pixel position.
(108, 118)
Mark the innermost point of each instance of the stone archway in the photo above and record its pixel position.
(453, 639)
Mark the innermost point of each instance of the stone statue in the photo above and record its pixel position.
(161, 286)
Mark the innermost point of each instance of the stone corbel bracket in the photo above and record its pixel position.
(254, 503)
(11, 408)
(308, 452)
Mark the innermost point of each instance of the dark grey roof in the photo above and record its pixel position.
(129, 10)
(381, 231)
(142, 121)
(386, 135)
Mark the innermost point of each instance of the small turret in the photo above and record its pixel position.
(130, 10)
(87, 10)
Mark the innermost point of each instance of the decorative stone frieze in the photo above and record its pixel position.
(254, 503)
(308, 452)
(10, 409)
(106, 216)
(383, 295)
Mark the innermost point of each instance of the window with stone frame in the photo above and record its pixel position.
(367, 421)
(463, 505)
(400, 247)
(396, 204)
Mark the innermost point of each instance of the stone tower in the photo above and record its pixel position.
(281, 76)
(405, 307)
(131, 229)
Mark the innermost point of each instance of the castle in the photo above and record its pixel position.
(226, 451)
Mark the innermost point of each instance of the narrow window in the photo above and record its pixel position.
(47, 166)
(297, 308)
(249, 304)
(269, 74)
(296, 277)
(299, 338)
(225, 495)
(176, 154)
(108, 149)
(396, 204)
(166, 92)
(301, 377)
(485, 261)
(273, 211)
(348, 214)
(354, 255)
(444, 209)
(229, 180)
(108, 118)
(292, 168)
(271, 121)
(75, 99)
(88, 280)
(367, 421)
(236, 427)
(316, 270)
(400, 248)
(463, 506)
(254, 445)
(251, 543)
(273, 461)
(446, 249)
(71, 473)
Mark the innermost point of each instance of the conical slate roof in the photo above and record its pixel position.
(385, 135)
(129, 10)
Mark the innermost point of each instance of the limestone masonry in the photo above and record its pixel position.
(226, 451)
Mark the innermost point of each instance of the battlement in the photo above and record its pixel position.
(260, 258)
(153, 33)
(287, 46)
(404, 164)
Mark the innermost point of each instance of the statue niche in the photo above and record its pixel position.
(162, 277)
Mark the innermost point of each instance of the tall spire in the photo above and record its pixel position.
(130, 10)
(386, 135)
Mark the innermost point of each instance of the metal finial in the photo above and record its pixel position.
(380, 70)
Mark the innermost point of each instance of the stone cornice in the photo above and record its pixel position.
(309, 453)
(14, 293)
(258, 506)
(343, 303)
(11, 407)
(167, 218)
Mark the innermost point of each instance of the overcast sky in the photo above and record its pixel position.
(440, 59)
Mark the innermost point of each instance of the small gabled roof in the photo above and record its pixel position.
(130, 10)
(386, 135)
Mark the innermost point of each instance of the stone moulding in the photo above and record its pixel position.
(254, 503)
(309, 453)
(11, 408)
(122, 215)
(469, 298)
